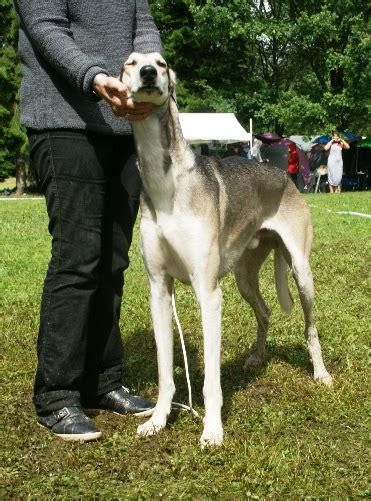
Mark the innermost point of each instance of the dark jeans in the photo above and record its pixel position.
(91, 185)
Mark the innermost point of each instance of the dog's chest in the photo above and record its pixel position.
(180, 239)
(179, 233)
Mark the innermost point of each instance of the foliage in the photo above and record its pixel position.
(294, 66)
(13, 140)
(285, 436)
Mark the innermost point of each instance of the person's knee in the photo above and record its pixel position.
(77, 259)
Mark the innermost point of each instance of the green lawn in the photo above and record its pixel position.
(285, 436)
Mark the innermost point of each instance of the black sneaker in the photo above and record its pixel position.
(71, 424)
(121, 402)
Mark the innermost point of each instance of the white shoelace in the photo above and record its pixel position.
(176, 404)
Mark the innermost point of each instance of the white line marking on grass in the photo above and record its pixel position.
(21, 198)
(350, 212)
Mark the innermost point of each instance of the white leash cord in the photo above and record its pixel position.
(182, 406)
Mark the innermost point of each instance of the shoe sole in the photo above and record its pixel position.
(75, 437)
(142, 414)
(86, 437)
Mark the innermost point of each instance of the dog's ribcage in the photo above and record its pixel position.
(211, 220)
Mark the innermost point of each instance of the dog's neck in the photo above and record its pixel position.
(162, 154)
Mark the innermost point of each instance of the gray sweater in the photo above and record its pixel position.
(63, 45)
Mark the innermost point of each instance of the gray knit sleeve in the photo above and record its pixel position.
(146, 37)
(47, 26)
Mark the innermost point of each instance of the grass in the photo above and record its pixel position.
(285, 436)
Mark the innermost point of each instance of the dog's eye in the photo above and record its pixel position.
(130, 63)
(162, 64)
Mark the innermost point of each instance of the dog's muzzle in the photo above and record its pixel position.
(148, 75)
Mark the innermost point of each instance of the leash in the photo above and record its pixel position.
(176, 404)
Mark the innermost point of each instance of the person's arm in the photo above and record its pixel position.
(146, 38)
(344, 144)
(328, 145)
(47, 25)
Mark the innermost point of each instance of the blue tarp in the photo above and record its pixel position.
(349, 136)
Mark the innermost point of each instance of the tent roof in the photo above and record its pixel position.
(273, 139)
(207, 127)
(304, 142)
(283, 141)
(269, 136)
(365, 143)
(322, 139)
(349, 136)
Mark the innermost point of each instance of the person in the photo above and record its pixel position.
(82, 149)
(245, 150)
(335, 162)
(232, 151)
(293, 164)
(255, 154)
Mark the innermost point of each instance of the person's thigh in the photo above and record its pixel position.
(72, 173)
(123, 203)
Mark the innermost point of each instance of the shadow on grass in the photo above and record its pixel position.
(141, 367)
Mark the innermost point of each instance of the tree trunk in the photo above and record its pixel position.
(20, 175)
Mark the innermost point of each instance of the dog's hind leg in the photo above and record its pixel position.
(296, 242)
(161, 289)
(247, 279)
(303, 277)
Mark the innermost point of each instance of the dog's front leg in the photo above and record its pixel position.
(161, 288)
(210, 301)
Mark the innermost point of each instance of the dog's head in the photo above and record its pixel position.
(148, 78)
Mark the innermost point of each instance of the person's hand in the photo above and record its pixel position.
(113, 91)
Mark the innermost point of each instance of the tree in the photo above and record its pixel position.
(13, 139)
(294, 66)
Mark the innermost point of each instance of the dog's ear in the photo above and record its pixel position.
(172, 77)
(172, 82)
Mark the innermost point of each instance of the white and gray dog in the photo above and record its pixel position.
(202, 217)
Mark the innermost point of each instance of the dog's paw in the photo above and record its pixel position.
(323, 378)
(212, 436)
(150, 427)
(253, 361)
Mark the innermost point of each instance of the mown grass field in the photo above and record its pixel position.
(285, 436)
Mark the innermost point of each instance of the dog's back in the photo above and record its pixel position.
(251, 188)
(238, 196)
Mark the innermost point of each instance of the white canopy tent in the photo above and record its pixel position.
(304, 142)
(204, 128)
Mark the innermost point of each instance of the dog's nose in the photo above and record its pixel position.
(148, 72)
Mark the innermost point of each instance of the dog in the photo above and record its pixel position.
(201, 218)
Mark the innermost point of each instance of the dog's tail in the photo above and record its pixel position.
(282, 285)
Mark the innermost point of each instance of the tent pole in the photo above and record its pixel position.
(251, 136)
